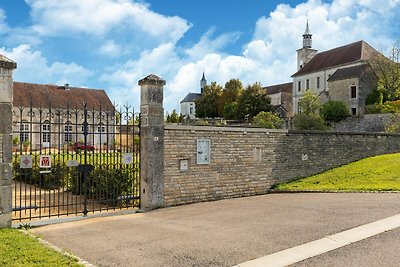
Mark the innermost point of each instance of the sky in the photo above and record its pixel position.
(112, 44)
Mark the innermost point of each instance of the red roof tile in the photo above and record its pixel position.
(45, 95)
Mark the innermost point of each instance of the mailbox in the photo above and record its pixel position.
(203, 151)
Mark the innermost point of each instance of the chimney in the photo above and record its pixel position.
(66, 86)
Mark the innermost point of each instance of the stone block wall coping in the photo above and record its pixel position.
(343, 133)
(221, 129)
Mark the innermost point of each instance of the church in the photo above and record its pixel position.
(340, 74)
(188, 104)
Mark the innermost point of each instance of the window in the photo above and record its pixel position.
(24, 131)
(83, 128)
(299, 86)
(101, 128)
(46, 132)
(191, 111)
(353, 91)
(354, 111)
(68, 132)
(318, 82)
(308, 84)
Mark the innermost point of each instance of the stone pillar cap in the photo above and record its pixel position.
(152, 79)
(7, 63)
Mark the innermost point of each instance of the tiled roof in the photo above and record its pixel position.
(346, 73)
(152, 79)
(191, 97)
(358, 51)
(279, 88)
(45, 95)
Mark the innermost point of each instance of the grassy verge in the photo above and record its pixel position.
(380, 173)
(19, 249)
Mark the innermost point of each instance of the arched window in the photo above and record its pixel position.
(101, 128)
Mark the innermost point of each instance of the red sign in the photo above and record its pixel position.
(45, 161)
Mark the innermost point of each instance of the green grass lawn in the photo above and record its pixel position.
(19, 249)
(380, 173)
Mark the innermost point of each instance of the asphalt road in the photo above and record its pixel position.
(228, 232)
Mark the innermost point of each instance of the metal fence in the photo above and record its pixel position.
(74, 161)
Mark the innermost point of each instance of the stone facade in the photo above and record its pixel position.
(248, 161)
(6, 69)
(367, 123)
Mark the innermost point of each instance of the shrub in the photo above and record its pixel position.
(309, 122)
(267, 120)
(334, 111)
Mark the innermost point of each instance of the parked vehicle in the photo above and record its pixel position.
(78, 147)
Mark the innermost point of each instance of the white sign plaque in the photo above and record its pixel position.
(25, 161)
(203, 151)
(45, 161)
(127, 158)
(72, 163)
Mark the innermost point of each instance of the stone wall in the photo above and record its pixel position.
(366, 123)
(248, 161)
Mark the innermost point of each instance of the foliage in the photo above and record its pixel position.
(267, 120)
(26, 143)
(334, 111)
(394, 126)
(376, 97)
(309, 119)
(378, 173)
(388, 71)
(174, 117)
(230, 94)
(207, 104)
(309, 103)
(253, 100)
(19, 249)
(15, 140)
(201, 123)
(231, 111)
(309, 122)
(387, 107)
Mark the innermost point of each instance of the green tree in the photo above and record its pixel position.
(334, 111)
(231, 111)
(231, 93)
(253, 100)
(174, 117)
(267, 120)
(207, 104)
(309, 119)
(388, 71)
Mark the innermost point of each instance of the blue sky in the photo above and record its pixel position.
(111, 44)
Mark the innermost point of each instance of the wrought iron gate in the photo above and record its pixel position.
(74, 161)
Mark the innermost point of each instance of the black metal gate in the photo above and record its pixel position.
(74, 161)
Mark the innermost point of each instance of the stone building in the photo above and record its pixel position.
(52, 116)
(188, 104)
(281, 99)
(342, 74)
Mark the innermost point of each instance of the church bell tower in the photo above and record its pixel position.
(305, 54)
(203, 83)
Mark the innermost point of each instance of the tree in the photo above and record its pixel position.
(309, 119)
(267, 120)
(230, 111)
(206, 105)
(230, 94)
(174, 117)
(253, 100)
(388, 71)
(334, 111)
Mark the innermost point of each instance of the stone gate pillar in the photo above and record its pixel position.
(6, 94)
(151, 142)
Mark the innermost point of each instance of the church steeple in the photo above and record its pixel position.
(307, 37)
(203, 83)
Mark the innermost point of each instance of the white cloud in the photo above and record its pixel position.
(111, 49)
(99, 17)
(33, 67)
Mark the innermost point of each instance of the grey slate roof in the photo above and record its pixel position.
(347, 73)
(279, 88)
(191, 97)
(351, 53)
